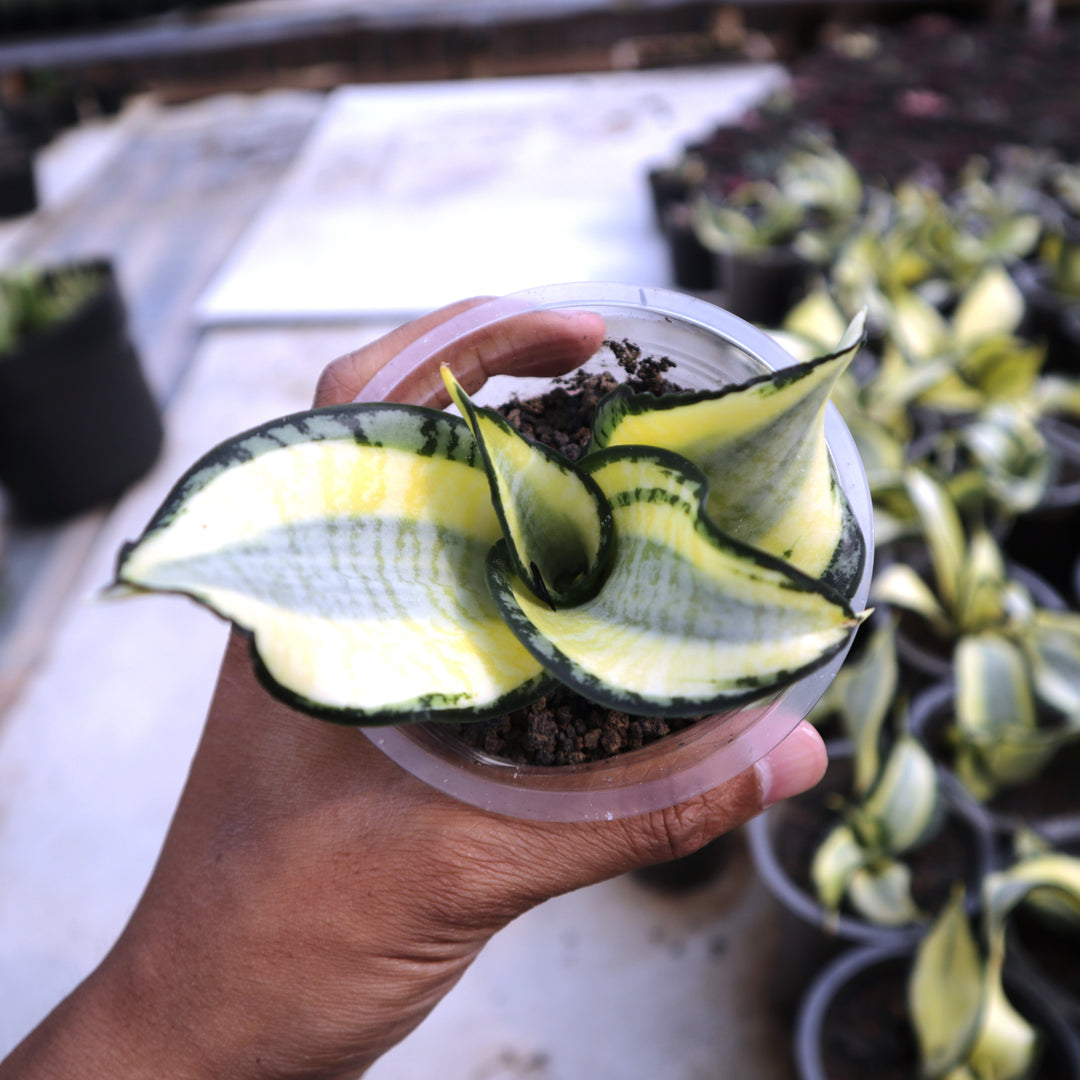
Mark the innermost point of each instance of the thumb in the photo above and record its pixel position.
(585, 853)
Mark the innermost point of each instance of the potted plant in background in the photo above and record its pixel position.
(950, 1009)
(618, 576)
(769, 235)
(78, 422)
(874, 850)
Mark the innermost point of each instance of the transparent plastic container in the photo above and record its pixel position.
(710, 348)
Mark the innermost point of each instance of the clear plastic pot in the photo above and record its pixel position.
(710, 348)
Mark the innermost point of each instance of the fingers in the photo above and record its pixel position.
(793, 766)
(533, 343)
(347, 376)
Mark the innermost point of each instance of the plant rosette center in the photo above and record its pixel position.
(394, 564)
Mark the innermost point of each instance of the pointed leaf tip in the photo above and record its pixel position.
(554, 518)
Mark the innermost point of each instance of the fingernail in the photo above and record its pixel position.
(794, 766)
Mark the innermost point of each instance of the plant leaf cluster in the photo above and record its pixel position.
(966, 1026)
(393, 563)
(951, 422)
(951, 408)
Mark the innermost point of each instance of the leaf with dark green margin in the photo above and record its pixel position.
(351, 544)
(555, 519)
(688, 620)
(946, 990)
(761, 444)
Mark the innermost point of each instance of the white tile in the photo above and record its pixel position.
(407, 197)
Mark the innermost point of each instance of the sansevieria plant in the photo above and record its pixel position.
(965, 1024)
(395, 563)
(1014, 662)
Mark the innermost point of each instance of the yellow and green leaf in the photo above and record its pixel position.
(946, 991)
(761, 445)
(688, 619)
(351, 544)
(905, 802)
(556, 522)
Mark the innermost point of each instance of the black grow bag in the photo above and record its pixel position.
(78, 422)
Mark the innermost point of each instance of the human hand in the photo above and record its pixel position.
(312, 901)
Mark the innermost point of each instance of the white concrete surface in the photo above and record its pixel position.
(408, 197)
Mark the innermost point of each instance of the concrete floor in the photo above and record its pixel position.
(222, 217)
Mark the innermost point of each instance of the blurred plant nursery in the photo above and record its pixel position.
(202, 204)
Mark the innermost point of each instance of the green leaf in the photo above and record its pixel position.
(1007, 1043)
(555, 520)
(817, 319)
(946, 992)
(980, 601)
(993, 686)
(919, 329)
(881, 894)
(944, 532)
(992, 304)
(906, 800)
(351, 543)
(688, 620)
(1040, 876)
(838, 858)
(864, 692)
(902, 587)
(1053, 644)
(771, 426)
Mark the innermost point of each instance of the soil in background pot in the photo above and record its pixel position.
(866, 1032)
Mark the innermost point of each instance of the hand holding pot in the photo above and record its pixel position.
(313, 901)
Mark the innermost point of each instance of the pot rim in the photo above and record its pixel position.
(678, 766)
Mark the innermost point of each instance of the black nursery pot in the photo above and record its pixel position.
(78, 423)
(853, 1021)
(693, 266)
(762, 286)
(18, 183)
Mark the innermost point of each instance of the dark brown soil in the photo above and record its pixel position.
(949, 856)
(565, 728)
(866, 1030)
(562, 418)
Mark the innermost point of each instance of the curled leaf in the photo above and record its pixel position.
(687, 620)
(351, 544)
(555, 519)
(769, 427)
(946, 993)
